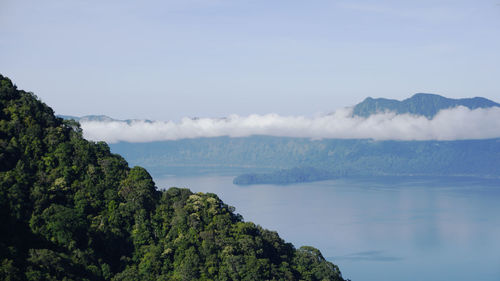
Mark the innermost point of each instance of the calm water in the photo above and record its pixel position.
(378, 229)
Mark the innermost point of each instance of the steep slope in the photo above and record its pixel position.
(71, 210)
(427, 105)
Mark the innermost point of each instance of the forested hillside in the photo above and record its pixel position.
(328, 157)
(71, 210)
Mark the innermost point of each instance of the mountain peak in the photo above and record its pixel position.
(423, 104)
(426, 96)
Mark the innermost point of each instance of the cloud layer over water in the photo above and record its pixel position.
(450, 124)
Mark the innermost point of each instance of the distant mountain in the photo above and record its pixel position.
(99, 118)
(266, 159)
(87, 118)
(427, 105)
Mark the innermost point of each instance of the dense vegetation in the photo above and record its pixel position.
(263, 155)
(351, 158)
(284, 176)
(427, 105)
(71, 210)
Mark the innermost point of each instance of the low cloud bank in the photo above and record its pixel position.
(450, 124)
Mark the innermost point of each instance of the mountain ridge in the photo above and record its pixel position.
(268, 159)
(423, 104)
(319, 159)
(99, 118)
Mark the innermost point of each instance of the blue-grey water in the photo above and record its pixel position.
(387, 229)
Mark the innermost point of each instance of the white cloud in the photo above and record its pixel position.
(450, 124)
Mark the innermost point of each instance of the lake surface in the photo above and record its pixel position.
(389, 229)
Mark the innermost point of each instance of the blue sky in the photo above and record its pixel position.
(166, 60)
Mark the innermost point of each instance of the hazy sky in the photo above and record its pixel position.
(166, 60)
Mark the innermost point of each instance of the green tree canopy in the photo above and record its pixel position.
(71, 210)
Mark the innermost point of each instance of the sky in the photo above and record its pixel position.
(166, 60)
